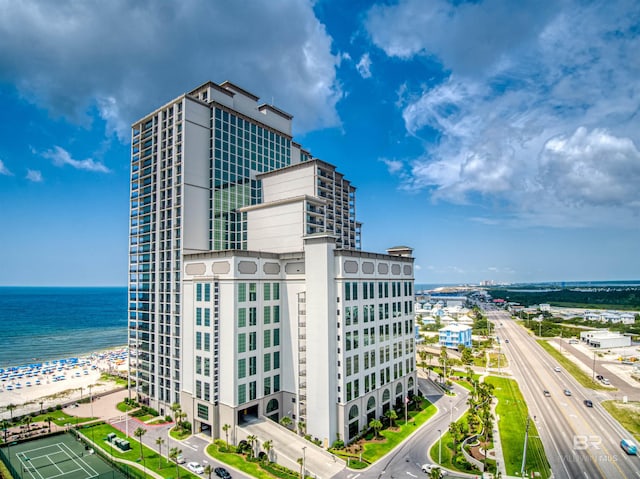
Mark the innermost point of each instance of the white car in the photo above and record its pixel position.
(195, 467)
(430, 467)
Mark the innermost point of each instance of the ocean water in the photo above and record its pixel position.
(43, 323)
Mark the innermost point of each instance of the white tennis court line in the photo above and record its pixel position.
(24, 458)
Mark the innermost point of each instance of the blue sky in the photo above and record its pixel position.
(499, 139)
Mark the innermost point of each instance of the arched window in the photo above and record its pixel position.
(399, 389)
(371, 404)
(353, 413)
(386, 395)
(410, 383)
(272, 406)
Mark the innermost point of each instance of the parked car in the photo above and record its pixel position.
(546, 393)
(222, 473)
(557, 369)
(588, 403)
(195, 467)
(599, 377)
(567, 392)
(605, 381)
(180, 459)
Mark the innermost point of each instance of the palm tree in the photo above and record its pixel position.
(268, 446)
(435, 473)
(139, 432)
(300, 461)
(226, 428)
(444, 356)
(174, 452)
(5, 428)
(392, 416)
(10, 408)
(177, 414)
(159, 443)
(49, 419)
(376, 425)
(252, 440)
(28, 421)
(453, 430)
(423, 354)
(286, 421)
(208, 469)
(302, 427)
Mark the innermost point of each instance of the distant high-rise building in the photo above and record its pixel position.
(248, 292)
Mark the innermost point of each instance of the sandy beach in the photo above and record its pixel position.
(34, 387)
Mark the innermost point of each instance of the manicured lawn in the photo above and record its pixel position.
(61, 418)
(179, 434)
(498, 360)
(513, 413)
(627, 415)
(152, 460)
(580, 376)
(239, 462)
(124, 407)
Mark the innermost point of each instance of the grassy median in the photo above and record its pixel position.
(513, 413)
(627, 414)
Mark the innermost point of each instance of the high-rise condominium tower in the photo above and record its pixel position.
(249, 295)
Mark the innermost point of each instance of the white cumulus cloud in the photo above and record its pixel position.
(4, 170)
(123, 59)
(364, 66)
(61, 157)
(34, 175)
(593, 168)
(534, 118)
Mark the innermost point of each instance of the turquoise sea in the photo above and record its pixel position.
(43, 323)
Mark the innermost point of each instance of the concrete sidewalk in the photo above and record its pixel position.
(103, 407)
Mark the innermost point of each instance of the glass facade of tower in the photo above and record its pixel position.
(241, 149)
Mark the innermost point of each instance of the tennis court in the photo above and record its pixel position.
(57, 457)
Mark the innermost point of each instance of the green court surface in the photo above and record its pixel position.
(56, 457)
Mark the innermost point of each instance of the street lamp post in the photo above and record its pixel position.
(91, 406)
(304, 460)
(439, 446)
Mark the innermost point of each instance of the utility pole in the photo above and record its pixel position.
(524, 451)
(540, 329)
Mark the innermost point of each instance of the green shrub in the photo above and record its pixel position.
(338, 444)
(150, 411)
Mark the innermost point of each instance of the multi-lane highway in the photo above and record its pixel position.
(579, 441)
